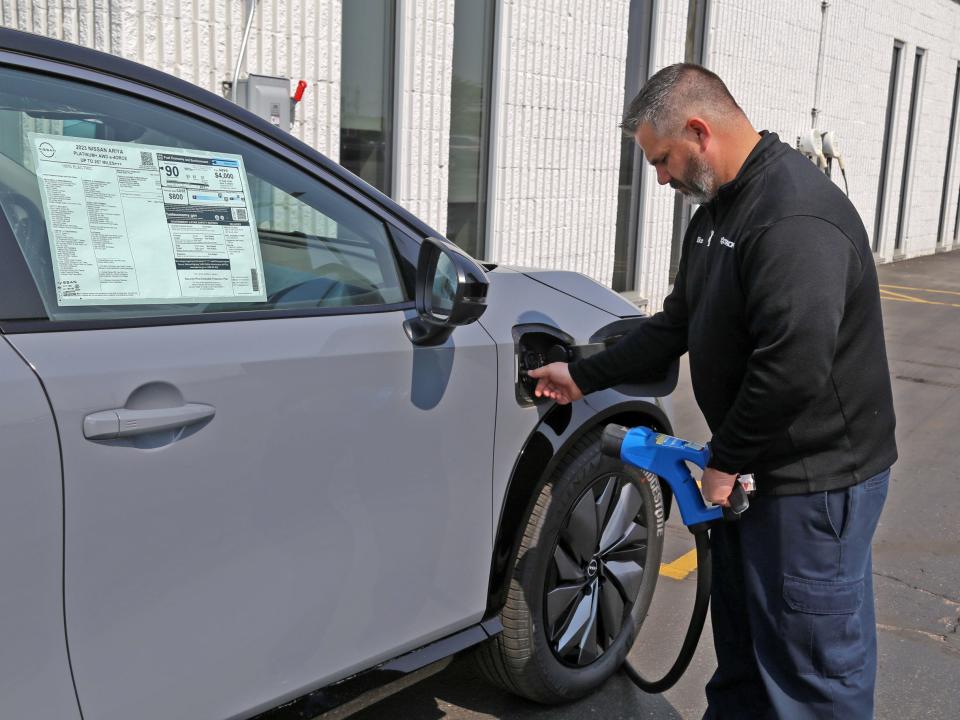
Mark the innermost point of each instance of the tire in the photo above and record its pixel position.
(546, 652)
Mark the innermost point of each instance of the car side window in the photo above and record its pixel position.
(126, 209)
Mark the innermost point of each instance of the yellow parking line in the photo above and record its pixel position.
(681, 567)
(890, 295)
(895, 299)
(927, 290)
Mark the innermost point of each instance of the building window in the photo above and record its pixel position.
(951, 140)
(694, 52)
(908, 154)
(893, 90)
(629, 200)
(470, 106)
(367, 87)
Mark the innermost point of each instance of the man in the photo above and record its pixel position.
(777, 302)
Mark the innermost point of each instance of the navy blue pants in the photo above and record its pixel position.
(792, 607)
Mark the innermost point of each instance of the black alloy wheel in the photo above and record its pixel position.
(583, 578)
(598, 566)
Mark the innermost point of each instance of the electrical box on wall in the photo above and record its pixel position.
(268, 97)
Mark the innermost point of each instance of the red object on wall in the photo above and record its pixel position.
(301, 87)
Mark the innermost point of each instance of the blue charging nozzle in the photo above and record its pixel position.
(666, 456)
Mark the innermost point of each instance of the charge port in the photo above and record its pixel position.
(536, 346)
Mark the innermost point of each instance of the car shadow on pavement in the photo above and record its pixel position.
(459, 693)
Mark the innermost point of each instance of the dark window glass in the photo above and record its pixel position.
(470, 124)
(628, 202)
(892, 92)
(908, 154)
(951, 139)
(367, 87)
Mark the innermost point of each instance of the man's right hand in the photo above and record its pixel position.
(554, 382)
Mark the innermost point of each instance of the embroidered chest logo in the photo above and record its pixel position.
(727, 243)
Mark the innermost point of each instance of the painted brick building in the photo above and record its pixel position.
(496, 120)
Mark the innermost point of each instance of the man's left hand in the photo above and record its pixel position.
(717, 486)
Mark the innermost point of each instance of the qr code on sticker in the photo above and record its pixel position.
(239, 214)
(146, 159)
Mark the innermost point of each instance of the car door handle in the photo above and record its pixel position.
(122, 422)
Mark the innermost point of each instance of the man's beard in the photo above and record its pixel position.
(699, 183)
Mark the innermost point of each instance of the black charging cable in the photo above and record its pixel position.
(738, 504)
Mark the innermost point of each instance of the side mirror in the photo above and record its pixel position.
(451, 290)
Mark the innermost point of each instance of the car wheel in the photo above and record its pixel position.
(583, 578)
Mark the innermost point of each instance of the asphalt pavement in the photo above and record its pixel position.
(916, 549)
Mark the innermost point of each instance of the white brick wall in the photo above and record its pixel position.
(197, 40)
(86, 23)
(561, 80)
(424, 124)
(768, 58)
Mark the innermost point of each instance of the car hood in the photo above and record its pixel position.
(582, 288)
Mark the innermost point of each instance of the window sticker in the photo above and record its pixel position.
(137, 224)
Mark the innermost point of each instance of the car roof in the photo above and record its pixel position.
(58, 51)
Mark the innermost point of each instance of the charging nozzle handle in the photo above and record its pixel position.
(611, 444)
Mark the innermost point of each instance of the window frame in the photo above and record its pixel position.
(402, 236)
(392, 21)
(485, 160)
(886, 150)
(630, 231)
(910, 147)
(942, 232)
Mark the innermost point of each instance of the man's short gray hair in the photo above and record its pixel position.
(673, 94)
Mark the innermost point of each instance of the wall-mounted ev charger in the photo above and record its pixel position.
(823, 149)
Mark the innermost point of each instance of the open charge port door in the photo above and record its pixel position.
(536, 345)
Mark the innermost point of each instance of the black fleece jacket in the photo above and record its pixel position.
(777, 301)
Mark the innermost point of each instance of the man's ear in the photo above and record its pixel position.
(700, 131)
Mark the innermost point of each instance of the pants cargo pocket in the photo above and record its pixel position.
(823, 626)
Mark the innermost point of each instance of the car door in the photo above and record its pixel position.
(266, 486)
